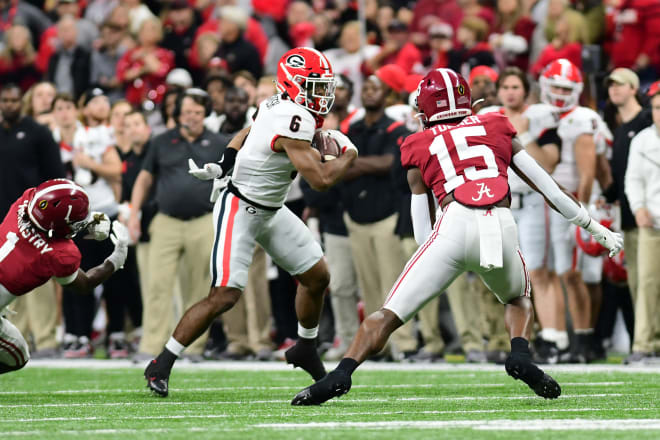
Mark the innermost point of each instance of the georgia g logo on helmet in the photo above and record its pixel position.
(297, 61)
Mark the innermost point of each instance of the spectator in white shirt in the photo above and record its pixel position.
(642, 187)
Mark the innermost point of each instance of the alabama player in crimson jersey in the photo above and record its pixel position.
(265, 158)
(462, 160)
(36, 245)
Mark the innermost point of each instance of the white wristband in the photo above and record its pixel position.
(582, 218)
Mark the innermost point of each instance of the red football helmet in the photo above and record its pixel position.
(443, 94)
(305, 74)
(563, 74)
(614, 268)
(59, 207)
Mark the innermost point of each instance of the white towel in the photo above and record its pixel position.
(490, 239)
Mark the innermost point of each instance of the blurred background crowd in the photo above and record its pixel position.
(104, 81)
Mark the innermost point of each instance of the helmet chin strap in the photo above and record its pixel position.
(422, 118)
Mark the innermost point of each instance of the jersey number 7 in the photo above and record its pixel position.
(468, 156)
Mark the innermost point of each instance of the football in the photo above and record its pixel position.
(326, 145)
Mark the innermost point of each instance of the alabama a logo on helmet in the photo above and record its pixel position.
(297, 61)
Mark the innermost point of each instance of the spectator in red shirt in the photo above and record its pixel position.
(428, 12)
(562, 46)
(632, 35)
(143, 69)
(397, 49)
(17, 58)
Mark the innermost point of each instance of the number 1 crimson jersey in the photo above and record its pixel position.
(28, 258)
(470, 158)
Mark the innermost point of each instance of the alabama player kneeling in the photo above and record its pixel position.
(36, 245)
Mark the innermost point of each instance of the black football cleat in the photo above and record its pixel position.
(520, 367)
(334, 384)
(547, 387)
(305, 356)
(157, 381)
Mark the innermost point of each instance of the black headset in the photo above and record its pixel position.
(198, 95)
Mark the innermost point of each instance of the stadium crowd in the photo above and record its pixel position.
(102, 87)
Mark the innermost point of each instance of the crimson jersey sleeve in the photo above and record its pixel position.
(409, 147)
(65, 262)
(497, 123)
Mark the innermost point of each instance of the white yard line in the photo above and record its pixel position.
(298, 387)
(393, 399)
(503, 425)
(367, 366)
(270, 414)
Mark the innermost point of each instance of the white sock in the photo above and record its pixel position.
(308, 333)
(549, 334)
(562, 340)
(584, 331)
(174, 346)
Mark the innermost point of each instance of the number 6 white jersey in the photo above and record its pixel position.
(262, 174)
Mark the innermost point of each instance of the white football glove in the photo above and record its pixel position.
(343, 141)
(207, 172)
(218, 186)
(613, 241)
(99, 227)
(120, 238)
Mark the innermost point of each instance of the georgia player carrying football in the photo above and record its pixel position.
(265, 159)
(463, 160)
(583, 136)
(36, 245)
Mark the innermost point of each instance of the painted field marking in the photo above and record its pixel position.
(502, 425)
(379, 400)
(367, 366)
(288, 412)
(298, 387)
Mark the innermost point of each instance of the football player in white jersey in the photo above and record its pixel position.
(249, 208)
(579, 129)
(537, 130)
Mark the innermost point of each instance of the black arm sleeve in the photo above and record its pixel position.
(228, 160)
(550, 136)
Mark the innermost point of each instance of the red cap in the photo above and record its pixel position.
(481, 71)
(411, 82)
(654, 89)
(392, 75)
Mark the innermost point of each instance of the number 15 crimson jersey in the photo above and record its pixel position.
(28, 258)
(469, 159)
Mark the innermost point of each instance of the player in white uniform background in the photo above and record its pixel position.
(537, 130)
(580, 129)
(249, 209)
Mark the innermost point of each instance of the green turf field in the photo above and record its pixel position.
(452, 401)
